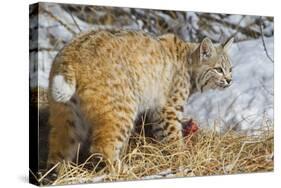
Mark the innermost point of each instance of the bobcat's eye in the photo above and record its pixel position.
(219, 70)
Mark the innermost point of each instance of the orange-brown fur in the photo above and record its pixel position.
(116, 75)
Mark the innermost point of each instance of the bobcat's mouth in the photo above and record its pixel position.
(222, 84)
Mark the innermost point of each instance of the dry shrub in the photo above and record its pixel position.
(206, 153)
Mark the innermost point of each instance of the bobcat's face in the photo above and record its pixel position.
(214, 67)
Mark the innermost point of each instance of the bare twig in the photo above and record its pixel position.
(237, 27)
(263, 42)
(244, 30)
(42, 49)
(58, 20)
(265, 88)
(70, 13)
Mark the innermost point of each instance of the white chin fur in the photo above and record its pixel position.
(61, 90)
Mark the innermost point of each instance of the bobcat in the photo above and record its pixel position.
(102, 80)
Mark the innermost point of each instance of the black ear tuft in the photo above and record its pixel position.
(227, 44)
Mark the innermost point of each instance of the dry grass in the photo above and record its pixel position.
(206, 153)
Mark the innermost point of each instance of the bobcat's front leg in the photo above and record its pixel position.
(169, 127)
(169, 116)
(171, 123)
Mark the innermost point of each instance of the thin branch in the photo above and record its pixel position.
(265, 88)
(58, 20)
(42, 49)
(70, 13)
(237, 27)
(244, 30)
(263, 42)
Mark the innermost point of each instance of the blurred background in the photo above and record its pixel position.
(247, 106)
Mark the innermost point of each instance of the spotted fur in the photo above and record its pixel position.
(119, 75)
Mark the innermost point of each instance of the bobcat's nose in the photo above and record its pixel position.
(228, 81)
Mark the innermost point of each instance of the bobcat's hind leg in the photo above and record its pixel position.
(68, 131)
(111, 126)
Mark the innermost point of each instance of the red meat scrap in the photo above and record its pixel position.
(189, 127)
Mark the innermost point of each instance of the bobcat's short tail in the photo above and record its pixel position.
(62, 89)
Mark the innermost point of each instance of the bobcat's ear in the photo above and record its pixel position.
(228, 44)
(207, 49)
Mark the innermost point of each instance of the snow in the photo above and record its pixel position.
(168, 173)
(163, 174)
(98, 178)
(249, 101)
